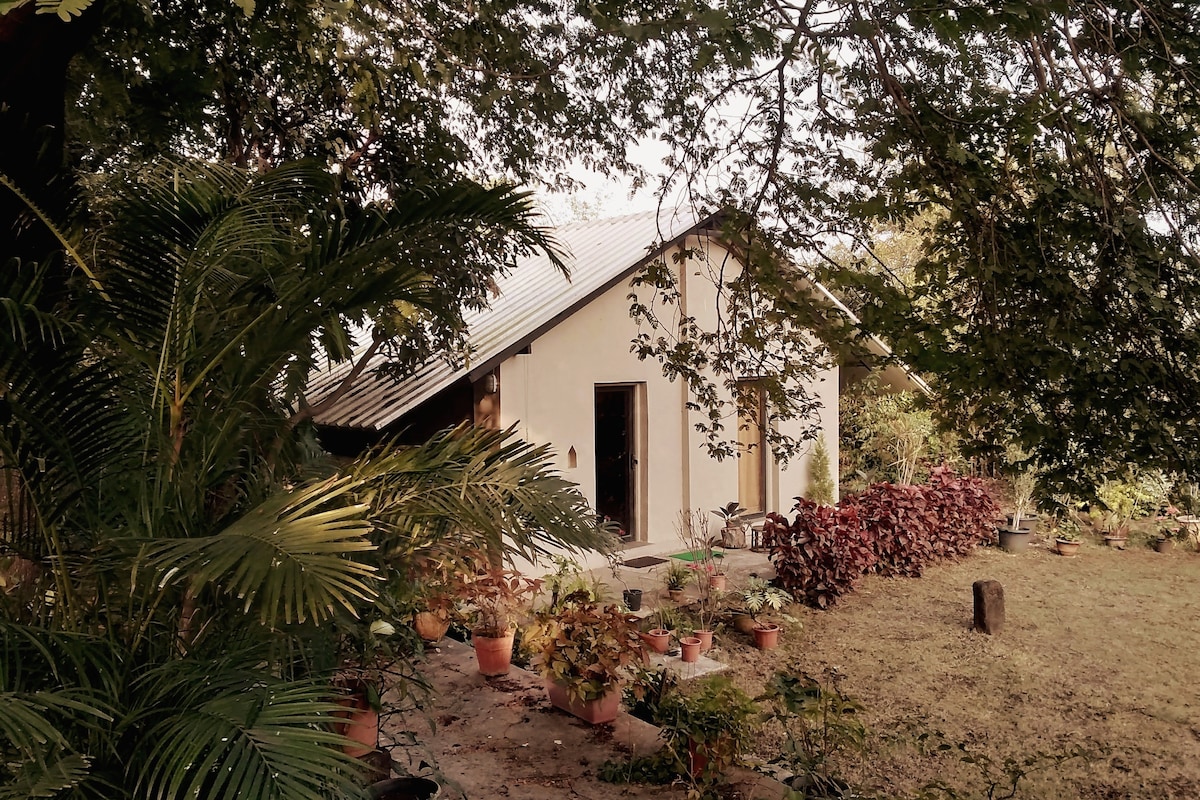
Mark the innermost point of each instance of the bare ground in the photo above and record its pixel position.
(1100, 653)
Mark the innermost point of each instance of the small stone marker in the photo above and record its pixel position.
(989, 606)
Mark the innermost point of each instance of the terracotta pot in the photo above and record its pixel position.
(701, 755)
(697, 759)
(602, 709)
(633, 599)
(493, 654)
(705, 638)
(1066, 548)
(430, 626)
(675, 594)
(659, 640)
(718, 581)
(1014, 541)
(766, 637)
(1116, 542)
(403, 789)
(361, 726)
(689, 649)
(1164, 545)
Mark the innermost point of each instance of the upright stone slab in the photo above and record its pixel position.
(989, 606)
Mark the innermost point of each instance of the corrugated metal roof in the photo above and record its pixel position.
(532, 298)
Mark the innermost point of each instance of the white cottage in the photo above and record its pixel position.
(552, 357)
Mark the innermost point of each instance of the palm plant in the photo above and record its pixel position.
(190, 555)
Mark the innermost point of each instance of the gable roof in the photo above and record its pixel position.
(532, 298)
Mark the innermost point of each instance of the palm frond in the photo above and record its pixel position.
(288, 557)
(37, 778)
(27, 719)
(213, 730)
(479, 488)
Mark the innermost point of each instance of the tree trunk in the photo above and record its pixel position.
(35, 51)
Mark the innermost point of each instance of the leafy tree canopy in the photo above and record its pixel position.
(1045, 153)
(1049, 147)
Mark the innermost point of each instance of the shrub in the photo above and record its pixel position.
(966, 509)
(820, 480)
(892, 529)
(821, 555)
(900, 524)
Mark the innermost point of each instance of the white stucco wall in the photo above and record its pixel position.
(550, 394)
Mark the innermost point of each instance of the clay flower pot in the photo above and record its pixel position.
(718, 581)
(1116, 542)
(689, 649)
(361, 724)
(766, 636)
(705, 637)
(494, 654)
(676, 595)
(430, 626)
(1066, 548)
(658, 640)
(597, 712)
(1164, 545)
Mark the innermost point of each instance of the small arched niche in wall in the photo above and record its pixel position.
(572, 459)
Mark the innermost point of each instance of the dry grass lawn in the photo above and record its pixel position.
(1100, 652)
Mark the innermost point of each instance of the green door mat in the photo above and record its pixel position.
(695, 555)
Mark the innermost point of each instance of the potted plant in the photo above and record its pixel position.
(498, 597)
(436, 583)
(406, 788)
(1120, 502)
(658, 638)
(567, 581)
(709, 726)
(760, 596)
(1168, 535)
(1065, 531)
(1014, 538)
(676, 578)
(367, 646)
(709, 574)
(693, 533)
(1189, 507)
(733, 530)
(584, 653)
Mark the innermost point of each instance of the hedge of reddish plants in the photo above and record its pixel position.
(888, 529)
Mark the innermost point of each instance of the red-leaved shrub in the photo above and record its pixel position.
(966, 510)
(821, 555)
(894, 530)
(901, 523)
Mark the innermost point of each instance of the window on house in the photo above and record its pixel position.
(752, 447)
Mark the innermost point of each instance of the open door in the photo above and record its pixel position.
(616, 459)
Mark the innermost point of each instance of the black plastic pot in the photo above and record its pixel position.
(633, 599)
(1014, 540)
(403, 789)
(1030, 521)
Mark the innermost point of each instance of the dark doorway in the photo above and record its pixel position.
(615, 457)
